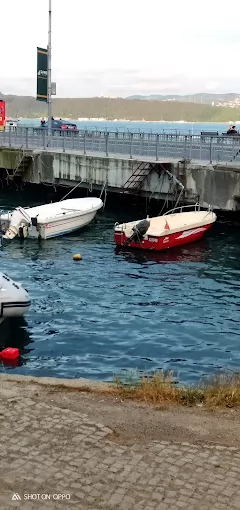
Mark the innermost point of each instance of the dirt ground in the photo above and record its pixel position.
(131, 422)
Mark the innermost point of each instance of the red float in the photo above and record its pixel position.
(10, 353)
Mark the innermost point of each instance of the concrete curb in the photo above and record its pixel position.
(80, 383)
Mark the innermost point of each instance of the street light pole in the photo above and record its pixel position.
(49, 77)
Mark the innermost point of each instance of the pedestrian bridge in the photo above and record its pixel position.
(153, 147)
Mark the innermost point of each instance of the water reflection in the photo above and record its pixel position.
(196, 252)
(14, 333)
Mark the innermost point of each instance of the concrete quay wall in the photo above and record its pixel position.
(218, 185)
(215, 184)
(70, 168)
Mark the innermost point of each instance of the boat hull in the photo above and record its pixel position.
(163, 242)
(56, 228)
(14, 299)
(63, 227)
(50, 220)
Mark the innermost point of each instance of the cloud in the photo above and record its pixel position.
(124, 83)
(123, 48)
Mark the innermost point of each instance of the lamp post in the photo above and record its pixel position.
(49, 72)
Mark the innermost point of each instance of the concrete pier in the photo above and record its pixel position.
(217, 184)
(92, 171)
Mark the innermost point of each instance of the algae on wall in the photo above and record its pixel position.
(10, 158)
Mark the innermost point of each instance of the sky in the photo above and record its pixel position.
(122, 47)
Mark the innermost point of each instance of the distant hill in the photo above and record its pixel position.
(119, 108)
(202, 98)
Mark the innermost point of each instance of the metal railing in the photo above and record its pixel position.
(196, 207)
(122, 129)
(126, 144)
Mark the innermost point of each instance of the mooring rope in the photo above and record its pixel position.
(71, 190)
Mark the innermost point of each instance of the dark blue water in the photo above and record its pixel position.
(177, 310)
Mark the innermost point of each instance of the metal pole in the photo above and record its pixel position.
(49, 78)
(211, 150)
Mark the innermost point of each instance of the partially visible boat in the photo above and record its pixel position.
(176, 227)
(50, 220)
(14, 299)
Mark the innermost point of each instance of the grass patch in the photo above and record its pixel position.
(222, 390)
(160, 389)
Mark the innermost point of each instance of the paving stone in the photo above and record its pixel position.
(46, 449)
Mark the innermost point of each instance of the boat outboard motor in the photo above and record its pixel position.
(139, 231)
(19, 218)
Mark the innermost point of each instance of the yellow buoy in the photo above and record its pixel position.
(77, 256)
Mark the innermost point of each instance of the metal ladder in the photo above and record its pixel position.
(136, 179)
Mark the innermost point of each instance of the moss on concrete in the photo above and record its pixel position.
(10, 158)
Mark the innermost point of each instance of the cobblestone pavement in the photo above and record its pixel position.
(49, 450)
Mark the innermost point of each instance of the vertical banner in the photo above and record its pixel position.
(2, 114)
(42, 74)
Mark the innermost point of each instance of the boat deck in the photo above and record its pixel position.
(172, 222)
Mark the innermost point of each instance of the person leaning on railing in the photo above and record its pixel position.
(232, 131)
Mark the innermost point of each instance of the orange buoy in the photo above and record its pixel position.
(77, 256)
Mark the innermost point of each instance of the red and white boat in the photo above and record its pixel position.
(176, 227)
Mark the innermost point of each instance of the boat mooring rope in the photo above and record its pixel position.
(71, 190)
(104, 189)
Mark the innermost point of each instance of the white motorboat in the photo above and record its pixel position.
(50, 220)
(14, 299)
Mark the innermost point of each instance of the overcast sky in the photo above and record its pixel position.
(123, 47)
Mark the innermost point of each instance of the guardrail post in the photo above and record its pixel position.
(107, 139)
(4, 137)
(233, 148)
(99, 137)
(166, 146)
(149, 136)
(190, 152)
(131, 145)
(84, 142)
(44, 138)
(10, 136)
(72, 138)
(157, 144)
(51, 138)
(185, 146)
(211, 150)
